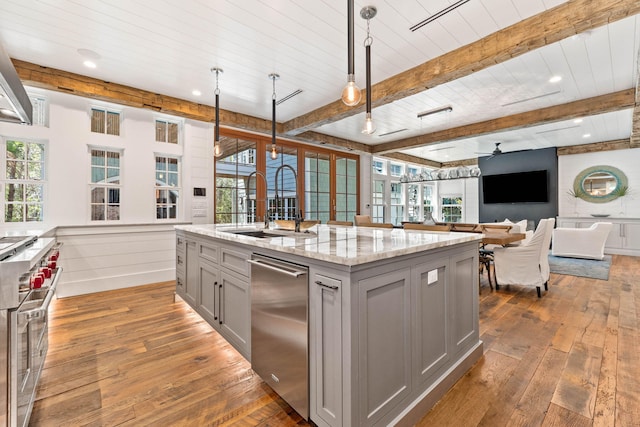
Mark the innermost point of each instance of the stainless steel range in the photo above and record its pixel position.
(29, 275)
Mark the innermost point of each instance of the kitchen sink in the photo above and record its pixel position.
(254, 233)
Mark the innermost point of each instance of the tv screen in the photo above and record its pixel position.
(518, 187)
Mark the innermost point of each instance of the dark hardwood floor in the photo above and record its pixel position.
(136, 357)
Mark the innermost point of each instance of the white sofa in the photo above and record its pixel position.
(581, 242)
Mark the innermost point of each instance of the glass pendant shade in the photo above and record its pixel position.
(351, 94)
(217, 149)
(369, 126)
(274, 152)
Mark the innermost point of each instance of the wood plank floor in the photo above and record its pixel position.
(136, 357)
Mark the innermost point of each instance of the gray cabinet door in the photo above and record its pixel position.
(431, 343)
(463, 299)
(325, 315)
(235, 317)
(210, 303)
(191, 268)
(384, 343)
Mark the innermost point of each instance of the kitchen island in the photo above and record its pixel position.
(393, 314)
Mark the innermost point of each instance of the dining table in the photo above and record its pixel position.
(502, 239)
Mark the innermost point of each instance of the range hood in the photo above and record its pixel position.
(15, 106)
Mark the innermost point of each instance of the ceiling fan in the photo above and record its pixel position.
(496, 151)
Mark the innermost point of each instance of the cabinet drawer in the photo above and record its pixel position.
(235, 261)
(209, 252)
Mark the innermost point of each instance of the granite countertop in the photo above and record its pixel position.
(339, 244)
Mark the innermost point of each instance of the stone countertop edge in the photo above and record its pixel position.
(342, 245)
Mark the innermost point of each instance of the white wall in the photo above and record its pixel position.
(67, 140)
(138, 249)
(569, 166)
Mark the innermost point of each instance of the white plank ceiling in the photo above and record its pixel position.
(169, 47)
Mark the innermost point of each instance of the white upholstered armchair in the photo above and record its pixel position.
(527, 264)
(581, 242)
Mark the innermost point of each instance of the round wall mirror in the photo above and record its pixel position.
(600, 184)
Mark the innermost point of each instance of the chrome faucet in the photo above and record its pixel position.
(266, 202)
(298, 218)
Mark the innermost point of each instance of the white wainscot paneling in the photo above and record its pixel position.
(97, 259)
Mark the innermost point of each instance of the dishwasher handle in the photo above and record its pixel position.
(293, 273)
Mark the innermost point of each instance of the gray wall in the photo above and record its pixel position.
(521, 161)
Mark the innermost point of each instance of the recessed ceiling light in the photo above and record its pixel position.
(89, 64)
(555, 79)
(586, 135)
(577, 121)
(196, 92)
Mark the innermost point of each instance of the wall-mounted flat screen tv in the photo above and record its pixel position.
(518, 187)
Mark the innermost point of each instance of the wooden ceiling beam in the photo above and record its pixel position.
(596, 147)
(322, 139)
(590, 106)
(62, 81)
(567, 19)
(413, 159)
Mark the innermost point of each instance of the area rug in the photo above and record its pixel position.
(581, 267)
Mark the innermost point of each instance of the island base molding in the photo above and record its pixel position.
(416, 410)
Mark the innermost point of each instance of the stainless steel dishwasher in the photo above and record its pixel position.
(279, 328)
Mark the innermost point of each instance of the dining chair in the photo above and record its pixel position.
(527, 264)
(362, 219)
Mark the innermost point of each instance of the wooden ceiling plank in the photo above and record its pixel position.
(590, 106)
(553, 25)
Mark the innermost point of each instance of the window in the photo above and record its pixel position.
(322, 183)
(105, 185)
(167, 187)
(40, 110)
(428, 201)
(166, 131)
(397, 203)
(378, 167)
(286, 205)
(24, 185)
(377, 200)
(395, 169)
(104, 121)
(235, 202)
(317, 190)
(346, 189)
(451, 208)
(413, 202)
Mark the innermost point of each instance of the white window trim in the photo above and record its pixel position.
(170, 119)
(3, 179)
(111, 109)
(90, 184)
(46, 107)
(181, 197)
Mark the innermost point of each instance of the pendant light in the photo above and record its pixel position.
(351, 93)
(274, 151)
(217, 148)
(368, 13)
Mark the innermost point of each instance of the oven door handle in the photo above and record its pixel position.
(42, 310)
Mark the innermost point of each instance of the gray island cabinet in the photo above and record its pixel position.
(393, 314)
